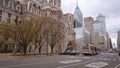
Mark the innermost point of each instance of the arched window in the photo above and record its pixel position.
(10, 4)
(18, 8)
(35, 9)
(30, 7)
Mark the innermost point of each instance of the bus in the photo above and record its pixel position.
(90, 50)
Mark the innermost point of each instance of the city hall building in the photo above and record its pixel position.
(14, 10)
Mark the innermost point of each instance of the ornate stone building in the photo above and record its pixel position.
(70, 34)
(13, 10)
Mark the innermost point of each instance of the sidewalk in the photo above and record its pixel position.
(6, 56)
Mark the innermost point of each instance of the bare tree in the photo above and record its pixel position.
(40, 38)
(55, 33)
(4, 35)
(26, 32)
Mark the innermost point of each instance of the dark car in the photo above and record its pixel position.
(66, 52)
(75, 52)
(70, 52)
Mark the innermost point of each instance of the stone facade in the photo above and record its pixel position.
(14, 10)
(70, 34)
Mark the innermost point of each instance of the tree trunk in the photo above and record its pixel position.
(51, 50)
(47, 49)
(6, 49)
(40, 49)
(24, 50)
(0, 48)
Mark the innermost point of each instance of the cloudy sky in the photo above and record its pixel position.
(109, 8)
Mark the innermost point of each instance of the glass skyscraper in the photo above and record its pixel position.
(78, 17)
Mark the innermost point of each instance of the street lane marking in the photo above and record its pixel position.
(74, 64)
(106, 59)
(97, 64)
(71, 57)
(118, 66)
(70, 61)
(86, 57)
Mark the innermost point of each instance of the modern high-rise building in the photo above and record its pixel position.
(98, 35)
(88, 21)
(78, 27)
(78, 17)
(118, 40)
(100, 27)
(88, 24)
(82, 35)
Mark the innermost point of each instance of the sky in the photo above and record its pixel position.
(109, 8)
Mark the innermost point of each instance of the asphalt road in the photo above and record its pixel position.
(104, 60)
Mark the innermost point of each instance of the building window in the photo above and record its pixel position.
(9, 15)
(0, 18)
(0, 12)
(0, 15)
(10, 5)
(1, 2)
(25, 8)
(18, 8)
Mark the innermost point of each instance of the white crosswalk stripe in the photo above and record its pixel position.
(97, 64)
(69, 61)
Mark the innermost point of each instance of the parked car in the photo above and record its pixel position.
(67, 52)
(75, 52)
(70, 52)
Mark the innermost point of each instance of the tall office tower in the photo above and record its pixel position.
(82, 34)
(100, 27)
(118, 40)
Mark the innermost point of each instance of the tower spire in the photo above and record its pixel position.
(76, 2)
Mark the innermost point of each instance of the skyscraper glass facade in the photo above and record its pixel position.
(78, 17)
